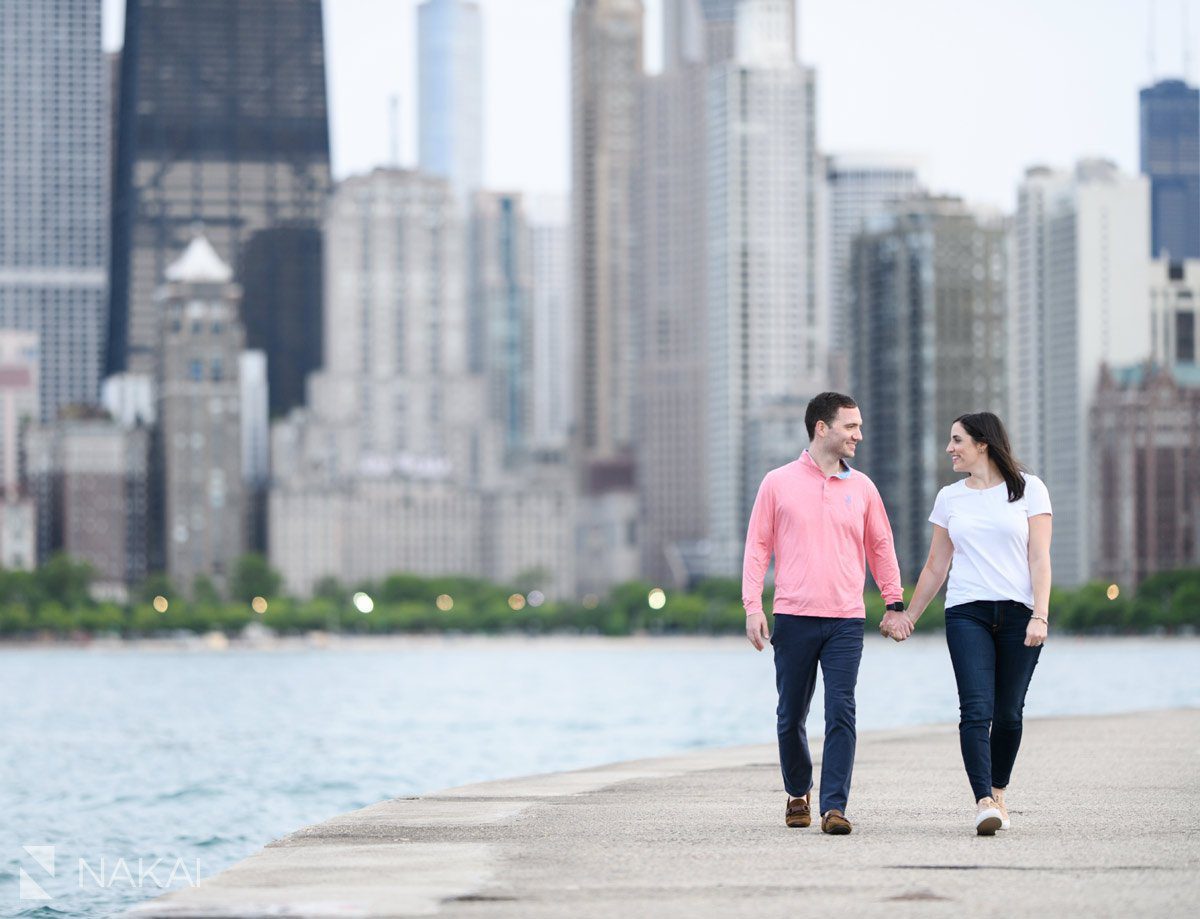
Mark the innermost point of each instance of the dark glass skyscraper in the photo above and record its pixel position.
(1170, 134)
(222, 125)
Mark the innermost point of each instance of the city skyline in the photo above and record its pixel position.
(1051, 98)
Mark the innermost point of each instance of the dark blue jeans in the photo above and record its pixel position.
(801, 642)
(992, 667)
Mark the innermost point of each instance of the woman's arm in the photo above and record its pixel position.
(1039, 572)
(933, 575)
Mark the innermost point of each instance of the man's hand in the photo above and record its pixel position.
(896, 626)
(756, 630)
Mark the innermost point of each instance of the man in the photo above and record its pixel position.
(822, 521)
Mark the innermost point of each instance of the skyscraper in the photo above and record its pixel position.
(396, 388)
(54, 143)
(858, 188)
(1170, 148)
(766, 319)
(1174, 309)
(928, 312)
(1145, 450)
(606, 67)
(501, 322)
(550, 257)
(450, 81)
(670, 290)
(1080, 300)
(396, 464)
(222, 124)
(606, 75)
(200, 426)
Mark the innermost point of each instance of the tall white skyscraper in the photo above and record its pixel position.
(606, 80)
(450, 78)
(859, 187)
(767, 325)
(396, 464)
(670, 289)
(606, 66)
(395, 384)
(1080, 300)
(54, 141)
(550, 256)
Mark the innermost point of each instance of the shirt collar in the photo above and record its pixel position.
(807, 460)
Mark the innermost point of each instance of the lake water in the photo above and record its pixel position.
(199, 758)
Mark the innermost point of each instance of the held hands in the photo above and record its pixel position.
(896, 626)
(1035, 633)
(756, 630)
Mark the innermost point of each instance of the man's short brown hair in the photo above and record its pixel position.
(824, 407)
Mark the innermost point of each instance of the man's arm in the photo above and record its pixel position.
(760, 544)
(881, 549)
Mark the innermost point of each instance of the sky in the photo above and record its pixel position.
(975, 91)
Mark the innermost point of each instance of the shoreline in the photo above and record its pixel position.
(215, 642)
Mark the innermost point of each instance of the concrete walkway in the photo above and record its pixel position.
(1104, 811)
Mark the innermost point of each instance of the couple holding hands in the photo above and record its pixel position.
(823, 522)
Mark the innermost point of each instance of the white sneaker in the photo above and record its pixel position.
(1005, 823)
(988, 818)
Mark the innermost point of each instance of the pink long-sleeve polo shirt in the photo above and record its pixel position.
(821, 530)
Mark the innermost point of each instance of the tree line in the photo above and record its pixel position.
(56, 600)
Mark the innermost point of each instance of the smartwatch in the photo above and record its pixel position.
(897, 607)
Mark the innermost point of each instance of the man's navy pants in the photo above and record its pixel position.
(802, 642)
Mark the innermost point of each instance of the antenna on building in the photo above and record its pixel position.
(394, 129)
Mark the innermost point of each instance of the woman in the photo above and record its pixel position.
(995, 527)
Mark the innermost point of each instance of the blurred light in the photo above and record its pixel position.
(160, 603)
(591, 601)
(259, 605)
(516, 602)
(657, 598)
(363, 603)
(445, 602)
(536, 598)
(1113, 591)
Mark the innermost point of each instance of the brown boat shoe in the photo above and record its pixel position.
(799, 812)
(835, 824)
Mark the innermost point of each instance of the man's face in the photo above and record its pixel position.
(842, 437)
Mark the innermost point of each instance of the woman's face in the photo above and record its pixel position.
(965, 453)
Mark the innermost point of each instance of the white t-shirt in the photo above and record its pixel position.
(991, 540)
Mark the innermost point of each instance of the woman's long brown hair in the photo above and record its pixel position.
(987, 428)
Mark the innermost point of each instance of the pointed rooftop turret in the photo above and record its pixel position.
(199, 264)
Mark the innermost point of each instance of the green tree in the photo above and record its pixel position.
(253, 577)
(156, 585)
(19, 587)
(64, 580)
(331, 589)
(204, 591)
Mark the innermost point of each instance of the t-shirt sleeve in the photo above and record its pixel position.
(1037, 497)
(941, 511)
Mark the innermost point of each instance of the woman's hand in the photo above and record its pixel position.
(1035, 633)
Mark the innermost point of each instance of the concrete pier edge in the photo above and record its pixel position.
(1105, 814)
